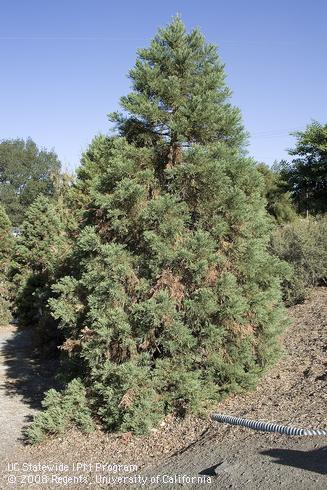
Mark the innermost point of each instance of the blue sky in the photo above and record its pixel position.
(64, 65)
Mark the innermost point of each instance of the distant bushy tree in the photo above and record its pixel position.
(306, 175)
(6, 249)
(25, 173)
(303, 244)
(173, 299)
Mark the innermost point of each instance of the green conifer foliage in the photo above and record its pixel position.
(6, 247)
(63, 410)
(39, 256)
(179, 94)
(173, 300)
(279, 201)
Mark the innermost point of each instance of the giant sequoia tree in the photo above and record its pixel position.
(172, 300)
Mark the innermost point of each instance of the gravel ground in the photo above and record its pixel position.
(213, 455)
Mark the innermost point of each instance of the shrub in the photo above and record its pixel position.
(62, 411)
(303, 244)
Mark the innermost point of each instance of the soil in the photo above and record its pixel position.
(208, 454)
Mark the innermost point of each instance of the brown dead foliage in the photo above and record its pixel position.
(211, 276)
(225, 245)
(154, 192)
(167, 280)
(86, 333)
(174, 156)
(166, 320)
(132, 282)
(70, 344)
(117, 352)
(78, 307)
(242, 330)
(127, 399)
(149, 340)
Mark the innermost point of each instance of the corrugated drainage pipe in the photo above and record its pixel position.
(267, 426)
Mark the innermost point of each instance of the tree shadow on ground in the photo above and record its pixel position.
(25, 374)
(315, 460)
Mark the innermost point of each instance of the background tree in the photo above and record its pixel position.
(279, 201)
(25, 173)
(172, 299)
(6, 249)
(306, 175)
(38, 259)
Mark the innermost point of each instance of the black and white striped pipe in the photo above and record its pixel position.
(267, 426)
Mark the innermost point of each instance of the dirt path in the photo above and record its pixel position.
(294, 393)
(22, 383)
(14, 412)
